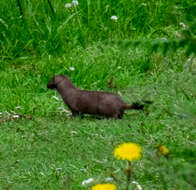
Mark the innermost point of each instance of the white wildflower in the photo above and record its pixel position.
(58, 169)
(15, 116)
(108, 179)
(87, 181)
(75, 3)
(18, 107)
(179, 35)
(74, 132)
(189, 60)
(4, 23)
(13, 112)
(83, 170)
(62, 109)
(114, 18)
(144, 4)
(72, 68)
(139, 187)
(119, 67)
(182, 25)
(68, 5)
(69, 114)
(7, 113)
(56, 98)
(42, 173)
(0, 113)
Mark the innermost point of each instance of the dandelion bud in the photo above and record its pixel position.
(163, 150)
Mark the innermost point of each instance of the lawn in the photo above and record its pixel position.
(134, 55)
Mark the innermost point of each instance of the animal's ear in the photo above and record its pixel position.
(53, 80)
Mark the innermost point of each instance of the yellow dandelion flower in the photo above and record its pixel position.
(106, 186)
(128, 151)
(163, 150)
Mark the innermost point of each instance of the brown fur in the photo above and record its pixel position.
(105, 104)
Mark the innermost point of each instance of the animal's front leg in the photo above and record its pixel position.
(75, 113)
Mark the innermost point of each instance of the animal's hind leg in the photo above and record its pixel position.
(120, 114)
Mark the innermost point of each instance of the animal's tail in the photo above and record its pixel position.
(137, 106)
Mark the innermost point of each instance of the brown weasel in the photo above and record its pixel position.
(109, 105)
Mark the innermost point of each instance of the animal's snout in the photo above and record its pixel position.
(51, 84)
(48, 85)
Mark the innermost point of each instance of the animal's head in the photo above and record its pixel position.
(56, 80)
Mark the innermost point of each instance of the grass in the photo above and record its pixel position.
(44, 146)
